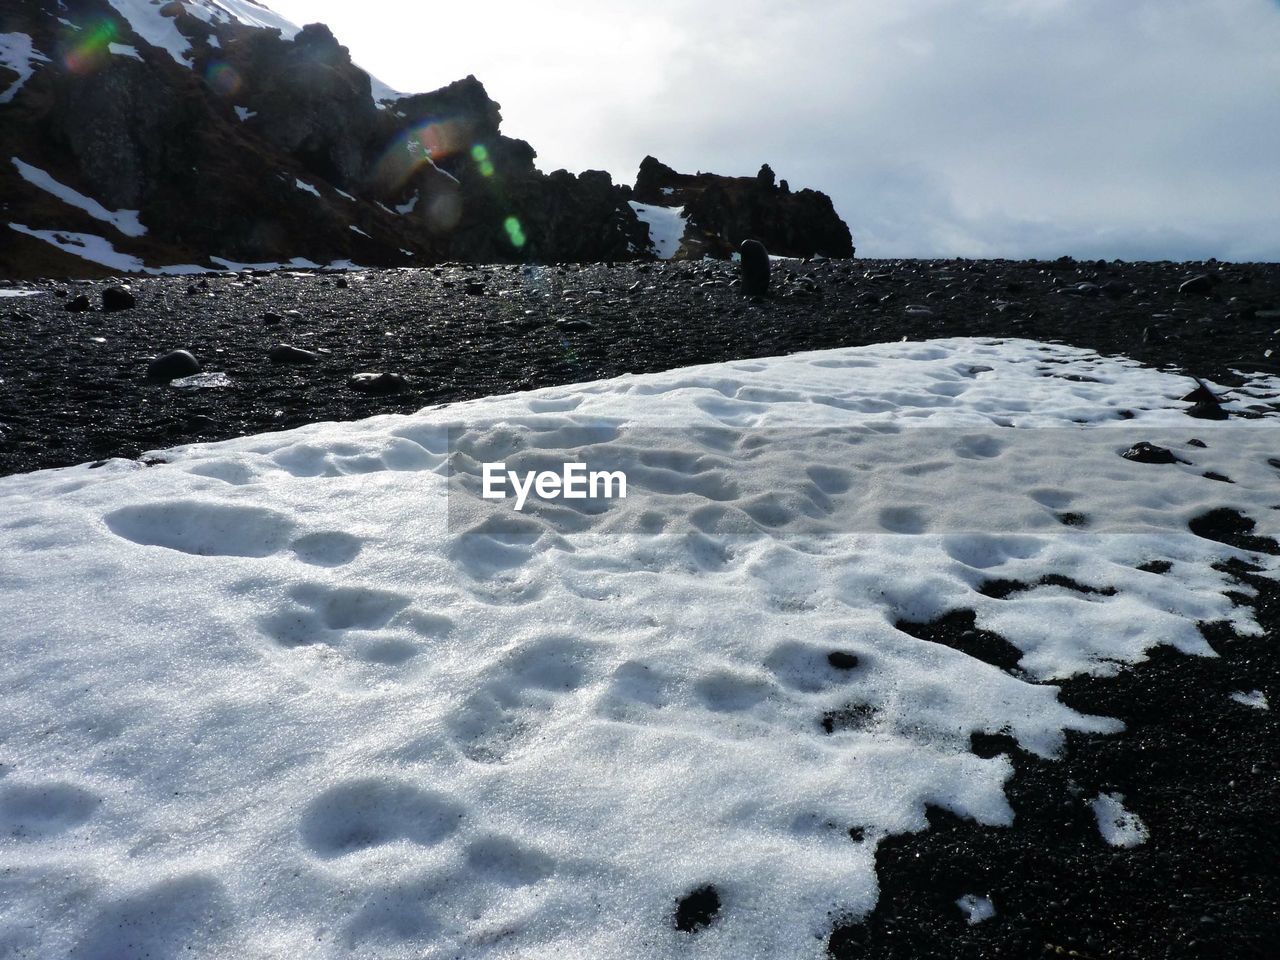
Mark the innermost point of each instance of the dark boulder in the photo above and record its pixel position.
(1200, 285)
(754, 268)
(117, 298)
(1145, 452)
(284, 353)
(172, 365)
(378, 384)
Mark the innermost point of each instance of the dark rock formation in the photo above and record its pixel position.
(270, 149)
(724, 211)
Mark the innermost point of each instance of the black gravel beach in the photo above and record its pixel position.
(74, 383)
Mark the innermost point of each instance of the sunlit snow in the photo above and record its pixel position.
(126, 221)
(1118, 826)
(666, 227)
(1251, 698)
(280, 696)
(17, 54)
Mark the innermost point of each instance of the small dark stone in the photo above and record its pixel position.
(284, 353)
(1214, 475)
(117, 298)
(172, 365)
(854, 716)
(474, 289)
(842, 660)
(1156, 566)
(1193, 442)
(1206, 405)
(754, 268)
(1205, 410)
(377, 384)
(78, 304)
(341, 283)
(857, 834)
(1144, 452)
(697, 909)
(1201, 393)
(272, 319)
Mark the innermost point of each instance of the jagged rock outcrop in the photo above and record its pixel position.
(243, 144)
(723, 211)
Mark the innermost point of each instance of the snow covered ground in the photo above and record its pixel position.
(287, 696)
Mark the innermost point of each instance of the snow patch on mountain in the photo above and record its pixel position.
(126, 221)
(666, 227)
(146, 20)
(18, 54)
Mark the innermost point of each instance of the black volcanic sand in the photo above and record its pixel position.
(73, 385)
(1202, 771)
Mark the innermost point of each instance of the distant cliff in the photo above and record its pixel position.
(196, 135)
(723, 211)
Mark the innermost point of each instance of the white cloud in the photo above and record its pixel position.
(940, 127)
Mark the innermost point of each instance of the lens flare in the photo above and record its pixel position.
(223, 78)
(515, 232)
(480, 154)
(91, 48)
(417, 146)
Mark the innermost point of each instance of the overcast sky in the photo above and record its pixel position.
(1099, 128)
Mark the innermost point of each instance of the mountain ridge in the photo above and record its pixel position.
(239, 139)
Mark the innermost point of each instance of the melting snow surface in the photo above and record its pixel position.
(976, 908)
(126, 221)
(278, 698)
(1118, 826)
(1251, 698)
(17, 54)
(666, 227)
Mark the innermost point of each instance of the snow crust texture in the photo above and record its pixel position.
(280, 696)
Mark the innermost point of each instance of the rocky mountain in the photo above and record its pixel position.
(721, 212)
(187, 135)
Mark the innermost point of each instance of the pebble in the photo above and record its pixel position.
(78, 304)
(377, 384)
(1145, 452)
(284, 353)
